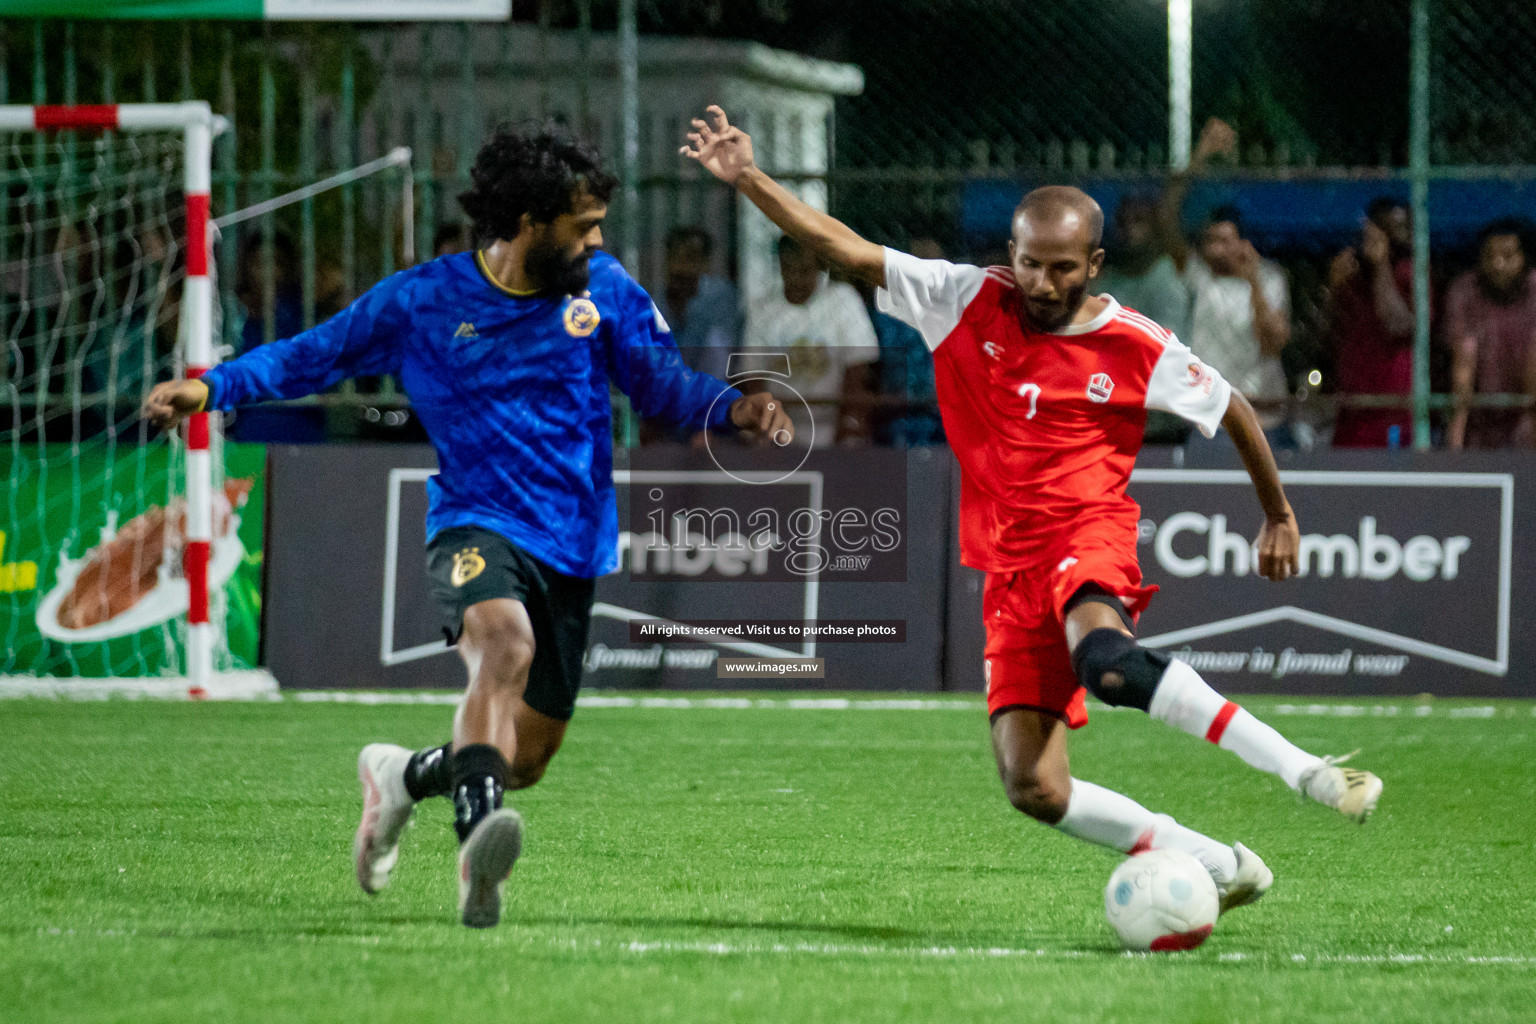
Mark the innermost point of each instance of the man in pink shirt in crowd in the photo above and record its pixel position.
(1490, 327)
(1370, 323)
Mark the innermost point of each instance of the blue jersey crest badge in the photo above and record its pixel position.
(581, 317)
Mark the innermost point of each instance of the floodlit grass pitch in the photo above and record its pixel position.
(175, 862)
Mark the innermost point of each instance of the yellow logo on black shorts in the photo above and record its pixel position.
(467, 564)
(581, 318)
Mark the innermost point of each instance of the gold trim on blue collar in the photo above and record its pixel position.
(490, 278)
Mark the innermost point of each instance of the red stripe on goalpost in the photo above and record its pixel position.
(196, 555)
(1219, 723)
(194, 565)
(197, 234)
(103, 115)
(197, 423)
(197, 432)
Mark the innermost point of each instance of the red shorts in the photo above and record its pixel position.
(1027, 663)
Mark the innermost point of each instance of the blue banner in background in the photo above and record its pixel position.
(1321, 211)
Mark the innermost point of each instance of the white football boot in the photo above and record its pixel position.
(387, 809)
(485, 861)
(1350, 791)
(1251, 881)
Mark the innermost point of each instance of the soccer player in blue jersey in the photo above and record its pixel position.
(507, 354)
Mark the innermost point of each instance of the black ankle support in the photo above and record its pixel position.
(479, 777)
(429, 772)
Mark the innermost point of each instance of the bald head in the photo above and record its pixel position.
(1063, 208)
(1055, 253)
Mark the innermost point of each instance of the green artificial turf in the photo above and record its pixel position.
(191, 862)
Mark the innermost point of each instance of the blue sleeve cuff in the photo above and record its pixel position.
(720, 420)
(211, 382)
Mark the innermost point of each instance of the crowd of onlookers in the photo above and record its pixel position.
(1334, 367)
(851, 374)
(1322, 343)
(1233, 308)
(1349, 384)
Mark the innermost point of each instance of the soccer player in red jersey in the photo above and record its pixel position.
(1044, 392)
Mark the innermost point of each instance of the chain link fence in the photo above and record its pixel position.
(958, 107)
(1483, 92)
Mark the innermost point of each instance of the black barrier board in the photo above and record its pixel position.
(348, 605)
(1412, 575)
(842, 535)
(1405, 578)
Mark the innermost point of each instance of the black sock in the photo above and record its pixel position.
(429, 772)
(479, 776)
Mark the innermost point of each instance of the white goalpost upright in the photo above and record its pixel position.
(188, 525)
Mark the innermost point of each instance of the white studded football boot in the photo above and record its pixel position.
(387, 809)
(1350, 791)
(1251, 881)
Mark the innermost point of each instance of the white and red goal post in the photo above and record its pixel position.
(197, 126)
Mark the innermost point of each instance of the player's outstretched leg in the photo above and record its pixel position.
(1119, 671)
(1187, 702)
(1032, 760)
(521, 629)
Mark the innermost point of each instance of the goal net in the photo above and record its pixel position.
(122, 561)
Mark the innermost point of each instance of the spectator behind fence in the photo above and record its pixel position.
(1240, 305)
(908, 403)
(1490, 315)
(1138, 270)
(272, 424)
(701, 308)
(1370, 326)
(1140, 274)
(823, 327)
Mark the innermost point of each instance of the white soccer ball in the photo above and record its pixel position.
(1161, 900)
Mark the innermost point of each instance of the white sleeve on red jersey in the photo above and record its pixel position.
(930, 295)
(1187, 387)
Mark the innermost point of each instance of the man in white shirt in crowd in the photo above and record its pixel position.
(824, 328)
(1240, 307)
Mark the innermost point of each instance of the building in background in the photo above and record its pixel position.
(783, 99)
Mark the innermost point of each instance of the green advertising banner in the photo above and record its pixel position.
(260, 10)
(89, 560)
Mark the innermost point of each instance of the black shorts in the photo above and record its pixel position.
(468, 564)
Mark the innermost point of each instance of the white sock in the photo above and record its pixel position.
(1184, 700)
(1102, 816)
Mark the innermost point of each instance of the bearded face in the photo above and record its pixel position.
(1053, 260)
(1501, 268)
(556, 267)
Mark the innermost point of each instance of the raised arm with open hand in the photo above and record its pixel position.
(1216, 139)
(726, 152)
(723, 149)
